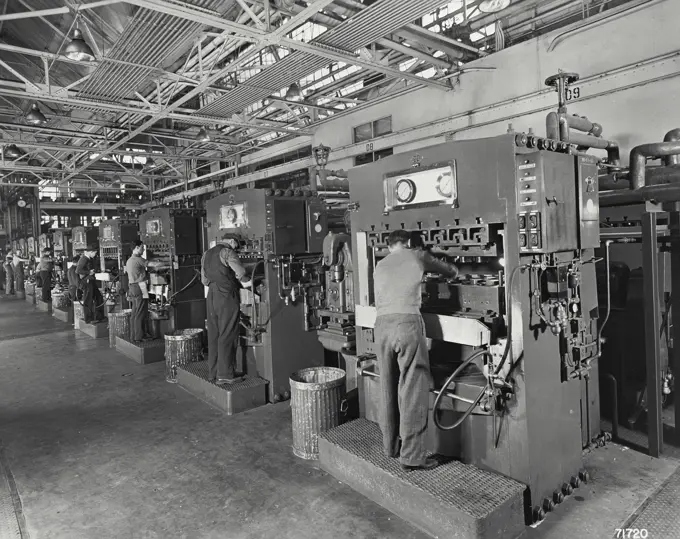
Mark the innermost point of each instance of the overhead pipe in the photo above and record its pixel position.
(639, 154)
(672, 136)
(669, 192)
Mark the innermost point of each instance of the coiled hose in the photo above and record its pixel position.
(462, 366)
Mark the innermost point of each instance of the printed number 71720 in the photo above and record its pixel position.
(631, 533)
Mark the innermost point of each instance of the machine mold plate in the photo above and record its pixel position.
(144, 352)
(96, 331)
(64, 316)
(231, 399)
(454, 500)
(44, 306)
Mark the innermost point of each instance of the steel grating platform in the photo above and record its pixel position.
(659, 516)
(232, 398)
(96, 331)
(64, 316)
(144, 352)
(9, 523)
(44, 306)
(454, 500)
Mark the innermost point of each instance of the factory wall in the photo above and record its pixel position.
(628, 64)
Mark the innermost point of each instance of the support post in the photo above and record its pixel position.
(674, 221)
(652, 352)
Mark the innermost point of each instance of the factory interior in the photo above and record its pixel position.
(198, 203)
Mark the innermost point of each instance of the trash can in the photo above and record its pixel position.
(119, 325)
(78, 310)
(181, 348)
(60, 301)
(317, 401)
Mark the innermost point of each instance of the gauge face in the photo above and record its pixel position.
(21, 203)
(232, 215)
(406, 191)
(445, 185)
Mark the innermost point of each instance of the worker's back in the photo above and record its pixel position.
(397, 281)
(217, 272)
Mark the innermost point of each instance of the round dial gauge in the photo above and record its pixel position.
(445, 185)
(231, 215)
(406, 191)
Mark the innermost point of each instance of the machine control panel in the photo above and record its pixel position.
(420, 187)
(233, 216)
(546, 202)
(107, 233)
(58, 240)
(31, 246)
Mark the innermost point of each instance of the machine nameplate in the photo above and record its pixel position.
(532, 203)
(153, 227)
(527, 165)
(453, 329)
(233, 216)
(430, 186)
(525, 191)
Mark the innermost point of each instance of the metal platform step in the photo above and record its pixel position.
(231, 399)
(64, 316)
(451, 501)
(44, 306)
(96, 331)
(143, 353)
(659, 515)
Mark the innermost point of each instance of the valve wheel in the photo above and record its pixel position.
(569, 78)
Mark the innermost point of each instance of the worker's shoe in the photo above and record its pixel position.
(429, 463)
(225, 381)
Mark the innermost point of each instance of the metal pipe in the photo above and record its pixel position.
(672, 136)
(638, 159)
(615, 407)
(657, 193)
(653, 176)
(589, 141)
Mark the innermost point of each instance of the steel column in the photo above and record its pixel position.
(674, 218)
(650, 269)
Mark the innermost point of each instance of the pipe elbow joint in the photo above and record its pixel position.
(637, 168)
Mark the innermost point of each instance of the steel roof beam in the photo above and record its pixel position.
(55, 11)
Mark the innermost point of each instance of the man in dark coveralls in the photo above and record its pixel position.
(93, 303)
(402, 349)
(223, 274)
(73, 279)
(44, 269)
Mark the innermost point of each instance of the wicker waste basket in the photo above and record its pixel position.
(78, 310)
(181, 348)
(119, 325)
(317, 402)
(60, 301)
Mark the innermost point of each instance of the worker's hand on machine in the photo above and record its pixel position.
(247, 284)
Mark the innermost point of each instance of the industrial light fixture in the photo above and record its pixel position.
(21, 202)
(35, 116)
(493, 6)
(321, 154)
(78, 49)
(12, 152)
(203, 135)
(294, 92)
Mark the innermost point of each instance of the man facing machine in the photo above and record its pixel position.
(73, 278)
(402, 349)
(135, 267)
(223, 274)
(93, 302)
(44, 269)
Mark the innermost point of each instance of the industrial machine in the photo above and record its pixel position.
(63, 250)
(32, 248)
(84, 236)
(116, 241)
(282, 235)
(515, 341)
(174, 246)
(45, 242)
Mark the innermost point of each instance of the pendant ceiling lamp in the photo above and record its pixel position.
(493, 6)
(12, 152)
(78, 49)
(294, 92)
(35, 116)
(203, 135)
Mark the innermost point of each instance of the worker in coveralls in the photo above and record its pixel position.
(9, 275)
(45, 267)
(223, 274)
(93, 303)
(73, 279)
(135, 268)
(402, 349)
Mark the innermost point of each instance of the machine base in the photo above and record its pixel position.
(144, 352)
(96, 331)
(453, 500)
(231, 399)
(22, 295)
(44, 306)
(64, 316)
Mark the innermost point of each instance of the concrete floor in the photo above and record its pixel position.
(102, 447)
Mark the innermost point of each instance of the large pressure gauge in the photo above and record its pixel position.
(445, 184)
(406, 191)
(231, 215)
